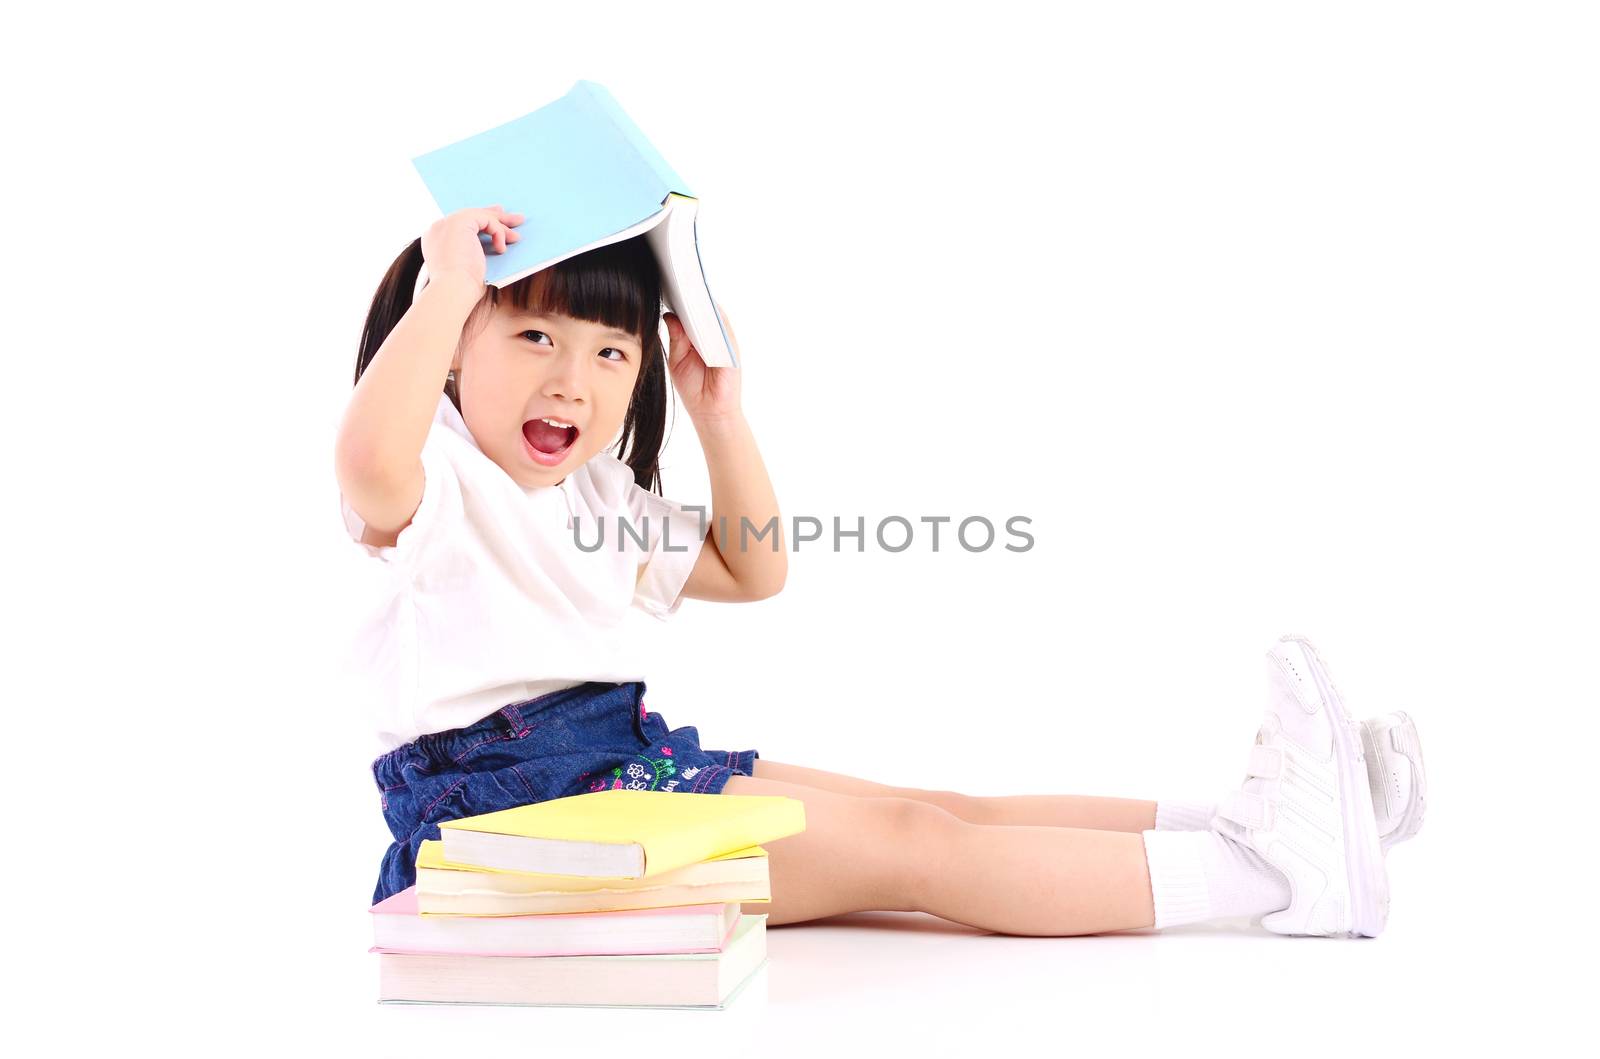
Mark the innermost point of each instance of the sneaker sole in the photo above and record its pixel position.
(1367, 881)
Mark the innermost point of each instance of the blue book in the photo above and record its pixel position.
(583, 176)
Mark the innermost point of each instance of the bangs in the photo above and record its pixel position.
(618, 285)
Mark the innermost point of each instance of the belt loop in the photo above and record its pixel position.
(516, 723)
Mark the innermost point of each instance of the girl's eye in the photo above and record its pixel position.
(620, 355)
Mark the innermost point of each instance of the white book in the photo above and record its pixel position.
(679, 980)
(398, 926)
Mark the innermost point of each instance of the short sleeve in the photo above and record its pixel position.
(674, 534)
(441, 502)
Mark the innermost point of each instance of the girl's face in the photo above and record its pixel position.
(518, 367)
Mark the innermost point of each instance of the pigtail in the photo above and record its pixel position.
(644, 427)
(389, 304)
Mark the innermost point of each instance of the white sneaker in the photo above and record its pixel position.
(1306, 806)
(1395, 776)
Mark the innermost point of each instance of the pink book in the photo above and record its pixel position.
(399, 928)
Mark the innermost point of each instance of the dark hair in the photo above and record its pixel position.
(618, 285)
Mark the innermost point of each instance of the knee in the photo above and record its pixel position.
(916, 817)
(954, 803)
(921, 831)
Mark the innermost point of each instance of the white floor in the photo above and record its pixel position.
(913, 984)
(1483, 948)
(907, 983)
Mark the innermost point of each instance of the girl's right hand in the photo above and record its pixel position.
(451, 246)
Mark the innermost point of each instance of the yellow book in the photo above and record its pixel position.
(619, 833)
(443, 888)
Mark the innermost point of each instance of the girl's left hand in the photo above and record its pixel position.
(708, 393)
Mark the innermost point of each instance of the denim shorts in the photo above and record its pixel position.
(587, 738)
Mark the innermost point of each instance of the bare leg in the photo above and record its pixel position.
(1059, 810)
(899, 854)
(1039, 880)
(1045, 810)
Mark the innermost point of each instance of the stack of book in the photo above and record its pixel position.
(618, 898)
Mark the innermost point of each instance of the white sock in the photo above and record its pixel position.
(1201, 875)
(1184, 816)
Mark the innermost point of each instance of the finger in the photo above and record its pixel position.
(676, 340)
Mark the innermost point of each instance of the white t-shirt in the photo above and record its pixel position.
(488, 598)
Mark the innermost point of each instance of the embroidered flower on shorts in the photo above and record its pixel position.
(647, 773)
(601, 783)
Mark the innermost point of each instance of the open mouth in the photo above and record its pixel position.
(548, 442)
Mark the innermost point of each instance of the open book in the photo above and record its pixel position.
(583, 176)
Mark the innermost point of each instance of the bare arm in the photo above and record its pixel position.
(743, 505)
(378, 455)
(742, 500)
(392, 407)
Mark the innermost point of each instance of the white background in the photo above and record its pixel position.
(1271, 317)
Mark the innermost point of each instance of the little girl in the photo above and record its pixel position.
(475, 463)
